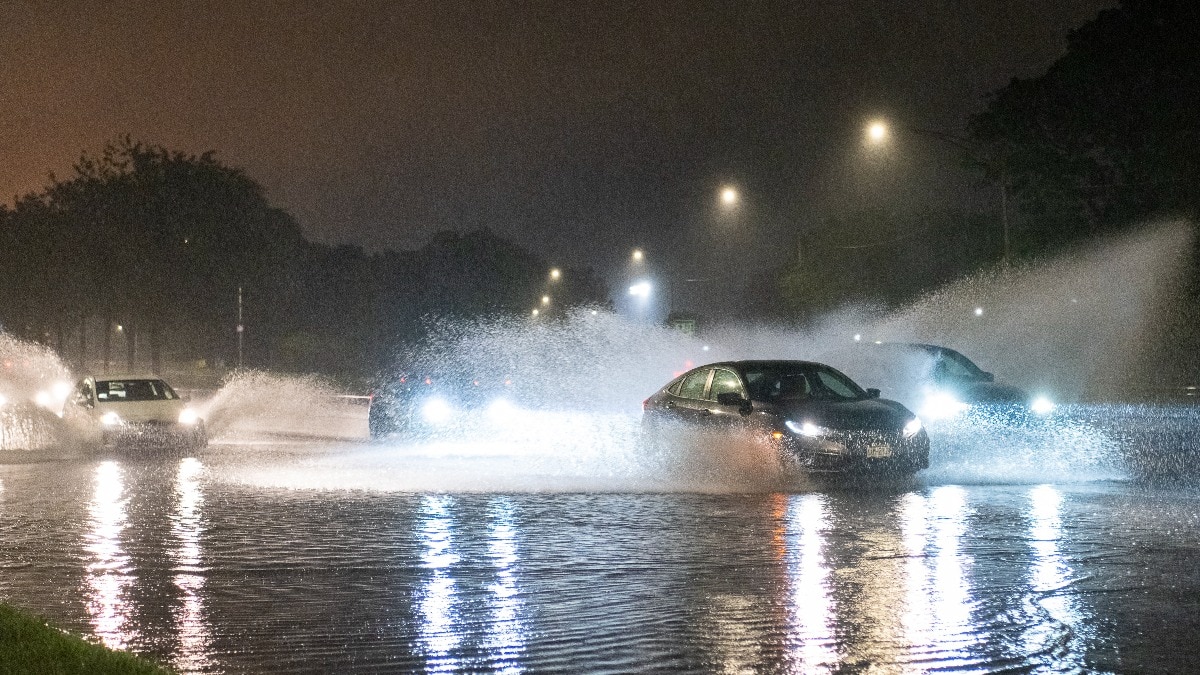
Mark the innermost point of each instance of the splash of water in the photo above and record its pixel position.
(34, 382)
(253, 403)
(1070, 324)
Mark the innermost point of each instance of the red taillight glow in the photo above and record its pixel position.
(646, 404)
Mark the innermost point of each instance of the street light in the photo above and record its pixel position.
(877, 134)
(638, 256)
(640, 290)
(555, 274)
(729, 196)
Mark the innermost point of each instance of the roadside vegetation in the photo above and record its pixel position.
(29, 645)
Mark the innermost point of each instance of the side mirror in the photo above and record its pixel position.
(732, 398)
(872, 393)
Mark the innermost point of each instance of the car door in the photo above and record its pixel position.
(724, 381)
(688, 405)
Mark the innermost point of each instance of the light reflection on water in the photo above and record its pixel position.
(436, 599)
(110, 577)
(948, 577)
(191, 623)
(506, 642)
(810, 607)
(1050, 580)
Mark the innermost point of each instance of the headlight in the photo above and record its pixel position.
(500, 410)
(1042, 405)
(188, 416)
(913, 427)
(806, 429)
(42, 398)
(941, 405)
(110, 419)
(437, 411)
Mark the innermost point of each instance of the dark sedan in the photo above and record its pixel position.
(818, 418)
(441, 405)
(938, 382)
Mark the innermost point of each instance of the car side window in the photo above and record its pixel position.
(725, 382)
(693, 385)
(674, 388)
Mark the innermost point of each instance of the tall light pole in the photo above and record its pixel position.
(241, 329)
(878, 133)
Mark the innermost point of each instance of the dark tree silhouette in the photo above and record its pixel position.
(1110, 134)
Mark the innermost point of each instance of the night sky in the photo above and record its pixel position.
(578, 129)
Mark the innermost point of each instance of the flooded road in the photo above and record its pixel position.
(275, 556)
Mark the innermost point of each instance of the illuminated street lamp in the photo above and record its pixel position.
(545, 299)
(555, 274)
(535, 311)
(729, 196)
(638, 256)
(640, 290)
(877, 134)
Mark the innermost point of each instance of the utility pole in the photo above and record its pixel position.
(241, 329)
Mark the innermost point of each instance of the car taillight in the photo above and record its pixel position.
(646, 404)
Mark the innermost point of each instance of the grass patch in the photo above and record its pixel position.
(28, 645)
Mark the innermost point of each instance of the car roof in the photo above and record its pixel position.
(116, 377)
(763, 363)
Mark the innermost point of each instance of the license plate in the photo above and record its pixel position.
(879, 450)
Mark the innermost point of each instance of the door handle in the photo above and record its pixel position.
(670, 405)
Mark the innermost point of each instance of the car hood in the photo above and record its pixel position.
(990, 392)
(142, 411)
(877, 413)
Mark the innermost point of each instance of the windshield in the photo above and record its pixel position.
(776, 383)
(957, 367)
(109, 391)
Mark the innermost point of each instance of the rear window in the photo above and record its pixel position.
(133, 390)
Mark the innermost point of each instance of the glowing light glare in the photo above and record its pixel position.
(877, 132)
(1042, 405)
(42, 398)
(188, 416)
(729, 196)
(110, 419)
(437, 411)
(501, 410)
(545, 299)
(3, 401)
(942, 405)
(806, 429)
(535, 311)
(555, 274)
(857, 337)
(978, 311)
(640, 289)
(638, 256)
(913, 427)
